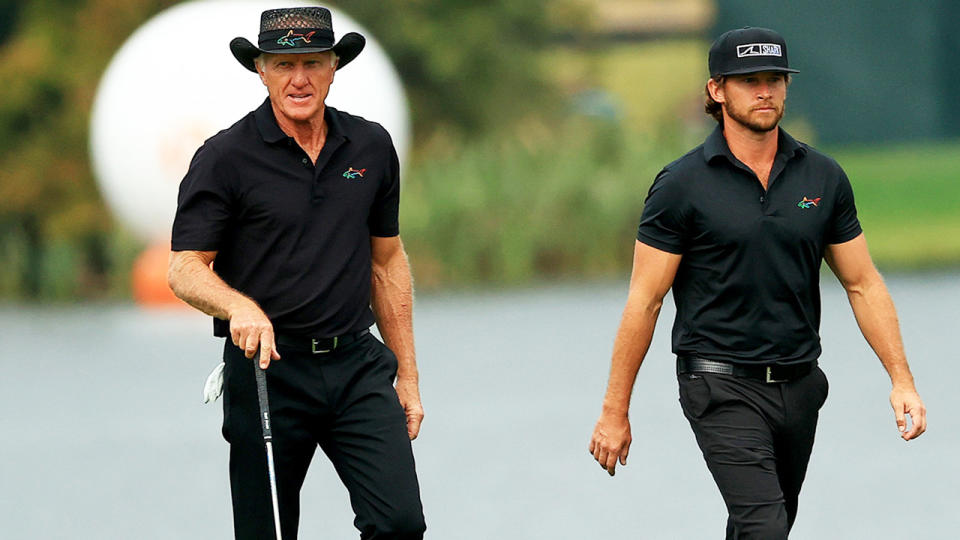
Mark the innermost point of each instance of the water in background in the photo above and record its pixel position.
(105, 436)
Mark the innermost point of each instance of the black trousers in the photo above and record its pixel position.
(756, 438)
(343, 401)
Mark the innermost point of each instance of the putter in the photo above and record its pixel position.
(268, 440)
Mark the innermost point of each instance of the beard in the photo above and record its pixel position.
(761, 125)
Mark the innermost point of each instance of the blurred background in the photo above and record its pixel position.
(536, 129)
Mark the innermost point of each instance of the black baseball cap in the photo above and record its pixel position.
(748, 50)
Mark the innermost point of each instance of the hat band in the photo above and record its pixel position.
(296, 38)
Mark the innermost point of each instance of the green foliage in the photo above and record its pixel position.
(9, 12)
(558, 202)
(470, 67)
(53, 222)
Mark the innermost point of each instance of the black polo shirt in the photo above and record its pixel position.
(292, 235)
(748, 285)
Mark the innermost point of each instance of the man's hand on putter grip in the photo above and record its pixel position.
(251, 330)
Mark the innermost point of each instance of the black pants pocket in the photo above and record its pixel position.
(694, 394)
(824, 386)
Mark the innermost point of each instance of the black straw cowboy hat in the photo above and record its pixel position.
(297, 30)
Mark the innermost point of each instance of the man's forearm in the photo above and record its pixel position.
(392, 302)
(877, 318)
(629, 349)
(193, 281)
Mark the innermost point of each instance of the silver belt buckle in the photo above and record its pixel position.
(313, 346)
(771, 379)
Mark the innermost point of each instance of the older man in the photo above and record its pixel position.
(739, 227)
(296, 208)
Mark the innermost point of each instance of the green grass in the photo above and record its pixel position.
(908, 198)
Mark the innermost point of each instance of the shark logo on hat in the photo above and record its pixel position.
(290, 39)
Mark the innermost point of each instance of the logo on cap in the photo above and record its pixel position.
(759, 49)
(290, 40)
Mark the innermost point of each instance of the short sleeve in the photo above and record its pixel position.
(844, 224)
(203, 204)
(384, 213)
(662, 224)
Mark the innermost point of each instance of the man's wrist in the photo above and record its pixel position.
(615, 409)
(240, 302)
(901, 378)
(904, 385)
(408, 378)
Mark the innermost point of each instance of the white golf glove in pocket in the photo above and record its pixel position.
(213, 387)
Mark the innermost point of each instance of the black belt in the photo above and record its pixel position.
(319, 345)
(768, 373)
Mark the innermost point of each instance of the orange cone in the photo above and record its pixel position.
(149, 277)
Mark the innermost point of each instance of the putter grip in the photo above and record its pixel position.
(264, 402)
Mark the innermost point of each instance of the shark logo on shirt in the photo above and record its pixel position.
(807, 203)
(352, 173)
